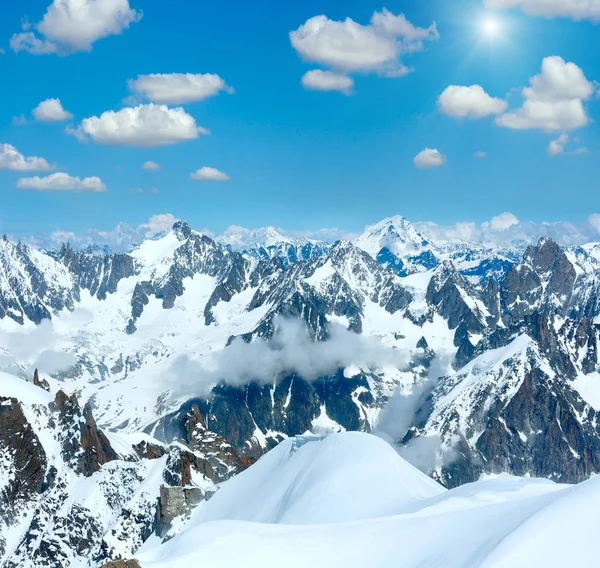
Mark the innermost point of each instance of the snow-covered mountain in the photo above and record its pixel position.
(313, 502)
(472, 360)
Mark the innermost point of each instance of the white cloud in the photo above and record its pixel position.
(319, 80)
(178, 88)
(159, 223)
(575, 9)
(19, 120)
(12, 159)
(143, 125)
(503, 221)
(62, 182)
(208, 173)
(594, 221)
(558, 146)
(74, 25)
(554, 99)
(151, 166)
(348, 46)
(469, 102)
(479, 155)
(429, 158)
(51, 110)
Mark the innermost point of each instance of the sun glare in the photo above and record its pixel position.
(490, 27)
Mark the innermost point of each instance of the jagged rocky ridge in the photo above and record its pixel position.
(519, 336)
(68, 496)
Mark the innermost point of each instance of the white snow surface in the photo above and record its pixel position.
(348, 501)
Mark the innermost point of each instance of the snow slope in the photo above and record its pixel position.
(312, 479)
(409, 522)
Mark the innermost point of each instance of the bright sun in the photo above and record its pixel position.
(490, 27)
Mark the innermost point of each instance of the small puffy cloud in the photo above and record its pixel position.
(143, 125)
(74, 25)
(348, 46)
(575, 9)
(208, 173)
(319, 80)
(51, 110)
(12, 159)
(19, 120)
(479, 155)
(503, 221)
(154, 191)
(558, 146)
(62, 182)
(554, 99)
(178, 88)
(469, 102)
(151, 166)
(429, 158)
(136, 190)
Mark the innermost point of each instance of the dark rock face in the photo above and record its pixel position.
(257, 417)
(22, 455)
(32, 286)
(122, 564)
(42, 383)
(83, 444)
(100, 274)
(537, 433)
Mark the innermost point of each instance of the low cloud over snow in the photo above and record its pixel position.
(74, 25)
(291, 350)
(554, 100)
(12, 159)
(469, 102)
(51, 110)
(178, 88)
(429, 158)
(62, 182)
(143, 125)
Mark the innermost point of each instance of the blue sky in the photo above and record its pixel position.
(297, 157)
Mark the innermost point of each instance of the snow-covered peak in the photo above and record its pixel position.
(394, 233)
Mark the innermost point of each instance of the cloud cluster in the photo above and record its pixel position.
(62, 182)
(178, 88)
(51, 110)
(469, 102)
(74, 25)
(12, 159)
(575, 9)
(506, 229)
(143, 125)
(558, 146)
(554, 100)
(429, 158)
(291, 350)
(207, 173)
(347, 46)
